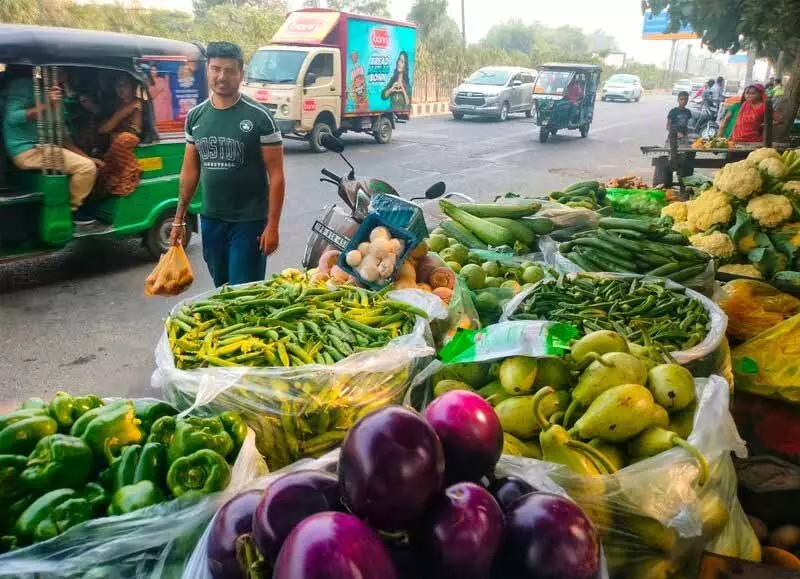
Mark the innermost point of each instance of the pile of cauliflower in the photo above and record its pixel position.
(758, 195)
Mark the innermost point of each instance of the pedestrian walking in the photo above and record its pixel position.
(234, 149)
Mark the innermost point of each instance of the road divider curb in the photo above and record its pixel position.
(430, 109)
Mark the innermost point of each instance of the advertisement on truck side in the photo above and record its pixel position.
(379, 67)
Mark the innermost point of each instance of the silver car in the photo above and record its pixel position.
(495, 91)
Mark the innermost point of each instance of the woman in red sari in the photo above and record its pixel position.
(749, 125)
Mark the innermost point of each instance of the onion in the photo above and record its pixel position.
(380, 248)
(235, 518)
(287, 501)
(379, 232)
(398, 246)
(470, 432)
(463, 532)
(550, 537)
(390, 468)
(353, 258)
(333, 546)
(363, 247)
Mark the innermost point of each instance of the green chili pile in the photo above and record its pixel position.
(287, 322)
(645, 311)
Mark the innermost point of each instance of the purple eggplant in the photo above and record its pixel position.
(333, 546)
(390, 468)
(508, 489)
(462, 532)
(471, 434)
(550, 537)
(233, 520)
(288, 500)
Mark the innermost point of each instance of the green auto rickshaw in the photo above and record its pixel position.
(563, 98)
(167, 78)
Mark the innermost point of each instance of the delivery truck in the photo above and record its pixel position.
(326, 71)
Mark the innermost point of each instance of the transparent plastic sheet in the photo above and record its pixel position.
(154, 542)
(662, 489)
(564, 217)
(769, 364)
(197, 565)
(636, 202)
(754, 307)
(711, 356)
(703, 282)
(461, 313)
(304, 411)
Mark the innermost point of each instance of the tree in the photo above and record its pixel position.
(766, 26)
(601, 41)
(511, 35)
(248, 26)
(368, 7)
(428, 15)
(201, 7)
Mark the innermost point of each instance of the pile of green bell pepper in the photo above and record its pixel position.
(77, 458)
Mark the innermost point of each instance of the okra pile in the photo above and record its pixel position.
(286, 321)
(635, 246)
(644, 311)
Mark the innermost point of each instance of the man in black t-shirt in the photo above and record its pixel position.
(678, 118)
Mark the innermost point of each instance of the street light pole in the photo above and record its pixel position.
(463, 27)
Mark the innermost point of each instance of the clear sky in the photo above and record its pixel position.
(621, 18)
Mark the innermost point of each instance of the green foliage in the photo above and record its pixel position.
(368, 7)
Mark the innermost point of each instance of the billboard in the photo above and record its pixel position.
(380, 66)
(306, 28)
(738, 58)
(655, 27)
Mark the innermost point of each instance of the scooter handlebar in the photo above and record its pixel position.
(331, 175)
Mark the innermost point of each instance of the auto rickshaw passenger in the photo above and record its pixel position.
(574, 91)
(22, 143)
(120, 176)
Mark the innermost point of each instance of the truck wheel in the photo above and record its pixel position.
(320, 128)
(544, 134)
(156, 239)
(383, 131)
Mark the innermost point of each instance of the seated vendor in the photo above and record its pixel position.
(121, 172)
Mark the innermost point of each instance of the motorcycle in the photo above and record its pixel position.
(339, 224)
(704, 118)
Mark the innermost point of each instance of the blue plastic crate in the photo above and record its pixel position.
(400, 213)
(372, 221)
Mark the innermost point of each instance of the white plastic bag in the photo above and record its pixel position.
(152, 542)
(711, 356)
(304, 411)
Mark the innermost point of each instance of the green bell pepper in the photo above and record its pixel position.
(126, 466)
(66, 409)
(152, 464)
(7, 420)
(96, 496)
(134, 497)
(236, 427)
(40, 510)
(204, 471)
(194, 433)
(11, 467)
(22, 437)
(87, 417)
(58, 461)
(163, 430)
(34, 402)
(64, 516)
(148, 411)
(108, 432)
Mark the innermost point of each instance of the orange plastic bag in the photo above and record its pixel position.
(754, 307)
(172, 276)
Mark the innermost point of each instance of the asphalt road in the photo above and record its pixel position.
(77, 319)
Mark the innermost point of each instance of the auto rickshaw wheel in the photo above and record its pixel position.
(529, 112)
(156, 239)
(584, 131)
(544, 134)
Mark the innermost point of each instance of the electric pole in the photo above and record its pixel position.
(463, 27)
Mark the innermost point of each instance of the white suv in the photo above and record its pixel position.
(625, 87)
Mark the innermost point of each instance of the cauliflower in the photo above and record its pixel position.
(792, 187)
(717, 244)
(763, 153)
(745, 270)
(774, 167)
(677, 211)
(683, 228)
(712, 207)
(740, 179)
(770, 210)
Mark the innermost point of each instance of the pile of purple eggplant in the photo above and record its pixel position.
(415, 497)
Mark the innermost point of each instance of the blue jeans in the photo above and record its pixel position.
(231, 250)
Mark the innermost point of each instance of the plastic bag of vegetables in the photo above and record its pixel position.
(686, 325)
(754, 307)
(152, 542)
(305, 409)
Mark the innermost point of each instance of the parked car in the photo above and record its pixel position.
(684, 84)
(625, 87)
(494, 91)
